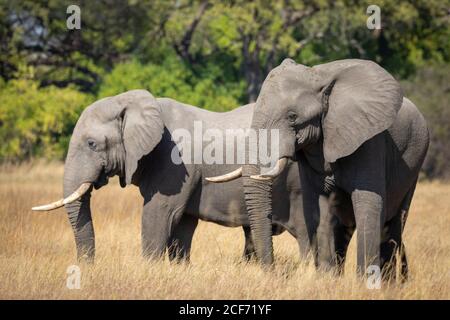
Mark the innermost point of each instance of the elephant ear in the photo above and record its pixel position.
(142, 127)
(361, 100)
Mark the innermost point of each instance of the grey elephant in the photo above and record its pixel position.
(131, 135)
(347, 119)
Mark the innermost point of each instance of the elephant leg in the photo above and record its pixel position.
(155, 231)
(369, 212)
(404, 270)
(308, 210)
(180, 241)
(393, 242)
(342, 237)
(325, 258)
(343, 225)
(390, 245)
(158, 218)
(404, 216)
(249, 247)
(362, 175)
(303, 225)
(335, 230)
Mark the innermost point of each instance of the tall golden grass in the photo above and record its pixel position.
(36, 248)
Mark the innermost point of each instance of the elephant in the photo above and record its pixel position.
(349, 120)
(131, 135)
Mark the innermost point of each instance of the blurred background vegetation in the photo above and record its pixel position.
(212, 54)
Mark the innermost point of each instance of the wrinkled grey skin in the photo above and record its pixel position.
(349, 119)
(130, 135)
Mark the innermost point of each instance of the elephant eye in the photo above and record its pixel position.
(92, 145)
(292, 117)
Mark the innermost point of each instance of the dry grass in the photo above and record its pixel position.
(37, 248)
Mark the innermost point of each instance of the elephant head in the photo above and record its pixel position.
(109, 138)
(333, 107)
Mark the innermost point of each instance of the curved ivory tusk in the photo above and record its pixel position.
(274, 172)
(71, 198)
(226, 177)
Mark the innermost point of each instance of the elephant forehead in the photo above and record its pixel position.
(102, 110)
(133, 94)
(293, 77)
(91, 130)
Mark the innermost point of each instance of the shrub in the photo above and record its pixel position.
(175, 80)
(37, 121)
(429, 89)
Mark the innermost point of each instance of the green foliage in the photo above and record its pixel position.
(35, 33)
(37, 122)
(175, 80)
(429, 89)
(212, 54)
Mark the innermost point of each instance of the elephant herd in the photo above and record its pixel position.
(350, 148)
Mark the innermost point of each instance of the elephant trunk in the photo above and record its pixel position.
(258, 199)
(79, 213)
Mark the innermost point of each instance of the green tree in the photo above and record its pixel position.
(37, 122)
(110, 32)
(175, 80)
(212, 54)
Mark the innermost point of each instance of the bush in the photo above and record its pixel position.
(173, 79)
(37, 121)
(429, 89)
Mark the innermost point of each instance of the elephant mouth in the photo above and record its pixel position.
(77, 194)
(307, 135)
(102, 180)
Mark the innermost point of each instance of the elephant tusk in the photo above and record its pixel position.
(274, 172)
(71, 198)
(226, 177)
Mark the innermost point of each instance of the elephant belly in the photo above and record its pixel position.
(395, 194)
(401, 177)
(224, 204)
(233, 215)
(219, 203)
(226, 219)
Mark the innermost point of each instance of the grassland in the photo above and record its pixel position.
(36, 248)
